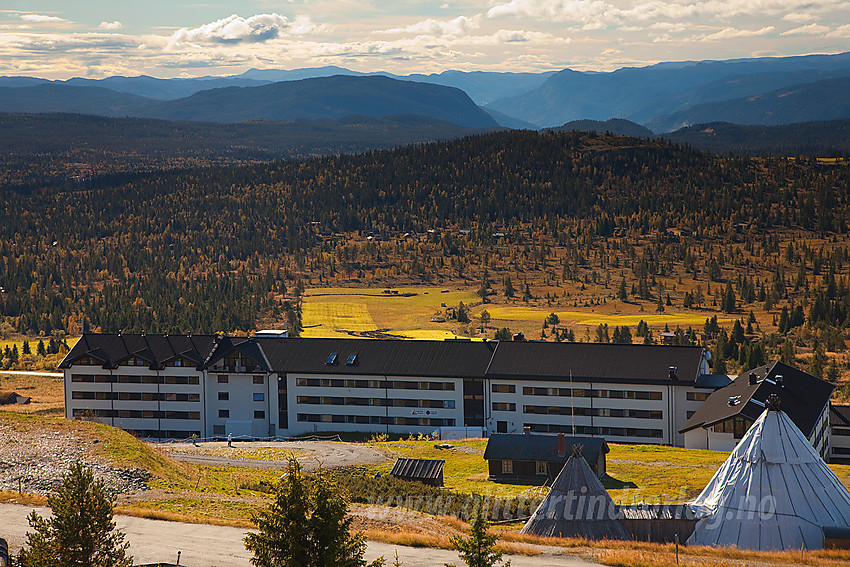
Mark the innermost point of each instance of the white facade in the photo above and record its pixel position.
(726, 435)
(179, 401)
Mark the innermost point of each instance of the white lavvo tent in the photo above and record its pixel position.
(774, 492)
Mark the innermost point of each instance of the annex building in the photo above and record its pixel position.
(166, 386)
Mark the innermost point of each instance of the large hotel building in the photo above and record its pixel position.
(170, 386)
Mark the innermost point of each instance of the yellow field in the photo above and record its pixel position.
(522, 313)
(346, 312)
(19, 342)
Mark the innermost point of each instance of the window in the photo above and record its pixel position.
(259, 397)
(352, 359)
(259, 380)
(259, 414)
(542, 468)
(223, 396)
(331, 359)
(223, 413)
(504, 406)
(697, 396)
(222, 379)
(503, 388)
(177, 362)
(507, 467)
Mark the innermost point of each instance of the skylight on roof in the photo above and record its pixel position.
(331, 359)
(352, 359)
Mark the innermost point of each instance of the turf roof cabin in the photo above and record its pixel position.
(513, 456)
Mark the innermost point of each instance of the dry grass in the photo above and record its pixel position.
(331, 312)
(47, 393)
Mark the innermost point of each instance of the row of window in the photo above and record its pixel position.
(737, 426)
(842, 431)
(136, 414)
(129, 379)
(136, 396)
(256, 378)
(382, 384)
(375, 420)
(258, 396)
(697, 396)
(588, 393)
(225, 414)
(841, 450)
(592, 412)
(603, 431)
(132, 361)
(381, 402)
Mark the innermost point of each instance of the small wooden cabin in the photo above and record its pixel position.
(528, 456)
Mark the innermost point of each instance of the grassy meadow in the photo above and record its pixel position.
(367, 312)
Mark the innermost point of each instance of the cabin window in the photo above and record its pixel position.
(542, 468)
(507, 467)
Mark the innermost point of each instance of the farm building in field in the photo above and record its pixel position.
(427, 471)
(512, 456)
(729, 412)
(168, 386)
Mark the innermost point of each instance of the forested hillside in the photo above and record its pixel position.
(565, 219)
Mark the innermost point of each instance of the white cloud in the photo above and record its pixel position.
(810, 29)
(111, 25)
(798, 17)
(730, 33)
(841, 31)
(606, 12)
(236, 29)
(42, 19)
(456, 27)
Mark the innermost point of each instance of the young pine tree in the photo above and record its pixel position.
(478, 550)
(80, 532)
(307, 525)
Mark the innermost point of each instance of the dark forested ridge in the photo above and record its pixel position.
(55, 148)
(224, 248)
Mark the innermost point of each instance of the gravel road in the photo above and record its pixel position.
(311, 454)
(216, 546)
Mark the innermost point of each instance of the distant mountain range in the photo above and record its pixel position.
(661, 98)
(645, 95)
(323, 97)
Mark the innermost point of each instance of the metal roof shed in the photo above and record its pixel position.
(428, 471)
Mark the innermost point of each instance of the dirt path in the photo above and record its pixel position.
(216, 546)
(311, 454)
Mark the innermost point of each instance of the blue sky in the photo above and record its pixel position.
(63, 38)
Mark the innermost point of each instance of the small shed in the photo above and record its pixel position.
(428, 471)
(528, 456)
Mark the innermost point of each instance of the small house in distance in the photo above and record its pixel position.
(528, 457)
(428, 471)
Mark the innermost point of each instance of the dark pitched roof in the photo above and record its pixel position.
(450, 359)
(597, 362)
(418, 469)
(157, 350)
(247, 346)
(839, 415)
(519, 447)
(803, 398)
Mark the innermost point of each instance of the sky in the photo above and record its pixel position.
(59, 39)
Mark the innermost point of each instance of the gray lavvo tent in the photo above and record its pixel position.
(577, 506)
(774, 492)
